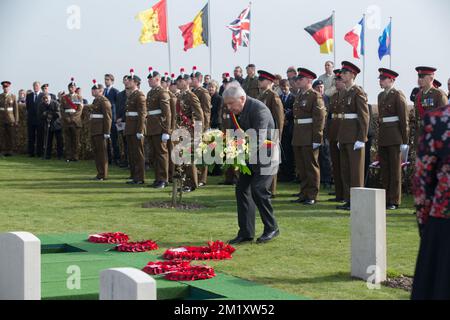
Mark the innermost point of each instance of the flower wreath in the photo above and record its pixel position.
(216, 250)
(159, 267)
(139, 246)
(109, 237)
(191, 273)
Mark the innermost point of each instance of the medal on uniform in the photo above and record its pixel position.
(349, 101)
(303, 103)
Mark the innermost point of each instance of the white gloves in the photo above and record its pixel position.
(107, 136)
(338, 146)
(404, 147)
(139, 136)
(316, 145)
(358, 145)
(165, 137)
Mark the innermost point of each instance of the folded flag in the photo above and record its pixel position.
(154, 23)
(195, 33)
(323, 33)
(356, 39)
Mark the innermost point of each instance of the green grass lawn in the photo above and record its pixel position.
(310, 258)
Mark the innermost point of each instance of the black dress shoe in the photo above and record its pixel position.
(391, 207)
(309, 202)
(268, 236)
(160, 185)
(335, 200)
(298, 200)
(345, 206)
(239, 239)
(98, 179)
(296, 195)
(135, 182)
(201, 184)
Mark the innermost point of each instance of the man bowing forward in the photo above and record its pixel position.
(253, 190)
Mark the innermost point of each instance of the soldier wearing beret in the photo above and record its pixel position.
(353, 132)
(72, 109)
(9, 119)
(100, 129)
(428, 97)
(393, 135)
(309, 121)
(205, 102)
(189, 114)
(159, 128)
(135, 113)
(334, 122)
(272, 100)
(250, 84)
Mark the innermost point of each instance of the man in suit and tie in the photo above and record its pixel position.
(253, 190)
(111, 94)
(34, 125)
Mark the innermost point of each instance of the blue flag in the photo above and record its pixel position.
(385, 42)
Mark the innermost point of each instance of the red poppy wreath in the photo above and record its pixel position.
(177, 270)
(216, 250)
(109, 237)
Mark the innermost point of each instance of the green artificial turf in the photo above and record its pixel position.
(310, 258)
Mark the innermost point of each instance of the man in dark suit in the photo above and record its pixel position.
(34, 124)
(111, 94)
(253, 190)
(121, 101)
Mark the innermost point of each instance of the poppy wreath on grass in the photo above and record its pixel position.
(159, 267)
(216, 250)
(139, 246)
(191, 273)
(109, 237)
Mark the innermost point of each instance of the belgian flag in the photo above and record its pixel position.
(323, 33)
(196, 32)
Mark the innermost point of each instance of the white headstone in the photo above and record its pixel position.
(20, 266)
(368, 232)
(126, 284)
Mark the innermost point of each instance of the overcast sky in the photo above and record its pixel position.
(37, 43)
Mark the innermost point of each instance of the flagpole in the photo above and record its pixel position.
(334, 37)
(390, 44)
(249, 33)
(364, 48)
(168, 38)
(210, 41)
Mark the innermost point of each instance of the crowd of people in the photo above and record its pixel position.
(308, 111)
(324, 126)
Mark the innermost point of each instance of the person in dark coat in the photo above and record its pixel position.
(51, 117)
(111, 94)
(216, 105)
(34, 123)
(287, 166)
(432, 193)
(253, 190)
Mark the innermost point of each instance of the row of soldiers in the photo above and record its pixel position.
(174, 103)
(347, 128)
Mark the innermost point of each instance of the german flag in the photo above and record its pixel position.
(322, 32)
(154, 21)
(196, 32)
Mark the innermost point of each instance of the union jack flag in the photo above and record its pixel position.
(241, 30)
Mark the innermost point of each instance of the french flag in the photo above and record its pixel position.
(356, 39)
